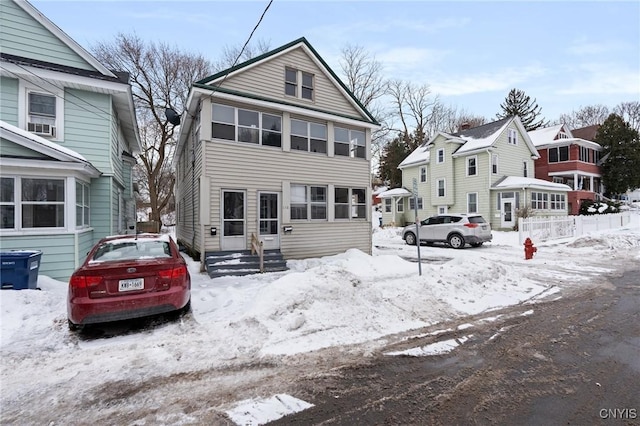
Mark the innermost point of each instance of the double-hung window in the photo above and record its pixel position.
(243, 125)
(307, 136)
(441, 187)
(349, 142)
(513, 137)
(82, 204)
(472, 202)
(7, 203)
(494, 164)
(440, 156)
(308, 202)
(42, 114)
(472, 166)
(298, 83)
(350, 203)
(423, 174)
(387, 205)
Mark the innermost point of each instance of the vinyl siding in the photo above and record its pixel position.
(23, 36)
(511, 157)
(267, 80)
(9, 100)
(479, 183)
(88, 127)
(58, 252)
(10, 149)
(424, 191)
(85, 242)
(273, 170)
(188, 194)
(444, 170)
(101, 201)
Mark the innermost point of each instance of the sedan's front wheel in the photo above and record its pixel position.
(456, 241)
(410, 239)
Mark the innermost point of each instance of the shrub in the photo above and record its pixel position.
(589, 207)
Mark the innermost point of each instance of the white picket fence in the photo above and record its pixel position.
(555, 227)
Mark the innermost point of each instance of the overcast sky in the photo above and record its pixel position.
(564, 54)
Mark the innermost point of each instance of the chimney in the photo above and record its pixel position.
(464, 126)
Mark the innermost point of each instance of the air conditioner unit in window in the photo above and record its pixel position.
(42, 129)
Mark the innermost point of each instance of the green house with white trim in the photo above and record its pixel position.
(276, 147)
(68, 136)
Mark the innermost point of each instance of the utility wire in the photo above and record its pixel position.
(244, 46)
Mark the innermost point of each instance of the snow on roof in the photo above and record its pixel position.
(41, 141)
(474, 143)
(380, 189)
(525, 182)
(545, 135)
(395, 192)
(419, 155)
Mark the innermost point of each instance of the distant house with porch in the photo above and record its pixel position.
(487, 170)
(569, 160)
(279, 149)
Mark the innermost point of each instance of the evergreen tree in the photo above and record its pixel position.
(621, 155)
(392, 155)
(518, 103)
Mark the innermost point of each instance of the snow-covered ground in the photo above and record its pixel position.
(349, 298)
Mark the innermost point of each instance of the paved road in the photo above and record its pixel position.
(571, 361)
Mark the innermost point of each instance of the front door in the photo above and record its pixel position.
(508, 216)
(233, 221)
(269, 220)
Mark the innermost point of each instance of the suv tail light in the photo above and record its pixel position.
(172, 277)
(471, 225)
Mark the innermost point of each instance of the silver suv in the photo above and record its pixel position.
(453, 229)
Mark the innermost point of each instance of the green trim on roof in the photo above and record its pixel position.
(207, 80)
(275, 101)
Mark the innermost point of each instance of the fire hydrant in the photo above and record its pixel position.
(529, 249)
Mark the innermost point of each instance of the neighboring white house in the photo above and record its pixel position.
(487, 169)
(278, 148)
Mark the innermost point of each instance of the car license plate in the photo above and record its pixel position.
(132, 284)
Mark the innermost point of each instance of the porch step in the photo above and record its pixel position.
(242, 262)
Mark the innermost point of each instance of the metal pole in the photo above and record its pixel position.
(415, 208)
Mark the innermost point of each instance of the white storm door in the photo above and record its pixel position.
(508, 216)
(269, 219)
(233, 221)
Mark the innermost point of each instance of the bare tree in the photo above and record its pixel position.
(585, 116)
(413, 107)
(161, 77)
(233, 55)
(630, 112)
(363, 77)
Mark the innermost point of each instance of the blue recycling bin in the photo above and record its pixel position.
(19, 269)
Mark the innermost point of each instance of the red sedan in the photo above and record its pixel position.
(128, 276)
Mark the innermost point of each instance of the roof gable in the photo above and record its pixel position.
(547, 135)
(25, 32)
(250, 74)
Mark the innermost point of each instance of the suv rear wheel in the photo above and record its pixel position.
(410, 238)
(456, 241)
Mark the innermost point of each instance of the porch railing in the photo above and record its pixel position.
(257, 247)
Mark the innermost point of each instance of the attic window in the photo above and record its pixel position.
(298, 83)
(513, 137)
